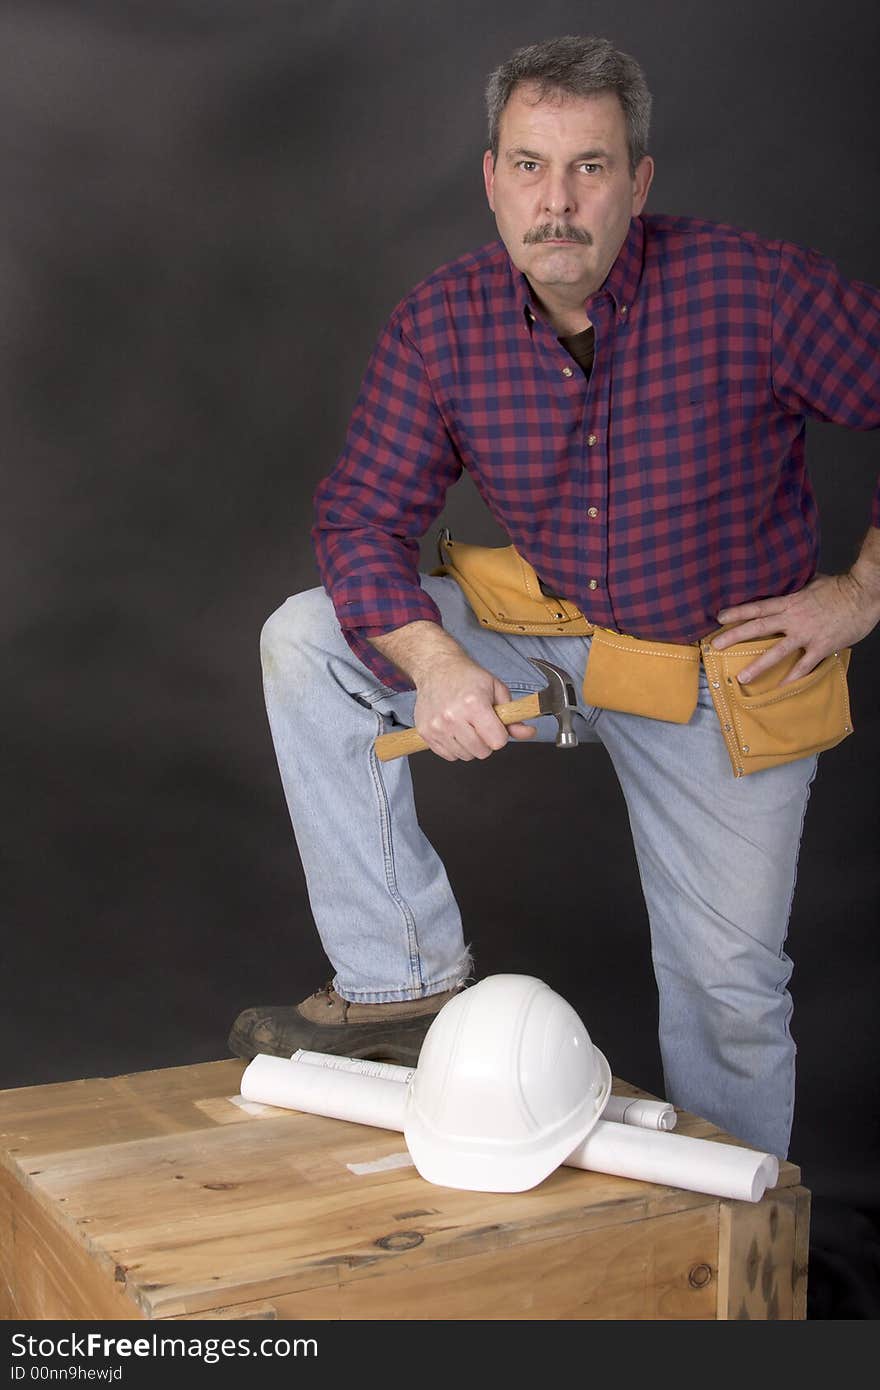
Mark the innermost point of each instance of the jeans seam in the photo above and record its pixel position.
(441, 986)
(786, 1022)
(797, 856)
(388, 862)
(375, 692)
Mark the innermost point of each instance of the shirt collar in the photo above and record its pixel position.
(621, 283)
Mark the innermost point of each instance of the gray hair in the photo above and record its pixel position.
(578, 66)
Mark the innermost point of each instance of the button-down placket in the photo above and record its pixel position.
(593, 520)
(590, 400)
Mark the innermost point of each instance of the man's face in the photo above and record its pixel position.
(561, 189)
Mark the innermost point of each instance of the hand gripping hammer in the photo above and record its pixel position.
(557, 697)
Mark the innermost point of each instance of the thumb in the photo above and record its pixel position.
(501, 696)
(522, 731)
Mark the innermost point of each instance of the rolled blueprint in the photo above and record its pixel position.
(341, 1095)
(627, 1151)
(357, 1065)
(675, 1160)
(625, 1110)
(647, 1114)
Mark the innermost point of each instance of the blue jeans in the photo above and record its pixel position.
(717, 855)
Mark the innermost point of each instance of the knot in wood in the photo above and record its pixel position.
(400, 1240)
(699, 1276)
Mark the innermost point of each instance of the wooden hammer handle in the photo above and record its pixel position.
(390, 746)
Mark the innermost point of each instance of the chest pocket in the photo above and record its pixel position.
(684, 436)
(708, 399)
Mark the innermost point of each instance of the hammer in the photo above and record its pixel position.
(557, 697)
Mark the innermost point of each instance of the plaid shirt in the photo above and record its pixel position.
(670, 485)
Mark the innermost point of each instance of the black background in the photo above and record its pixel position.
(208, 212)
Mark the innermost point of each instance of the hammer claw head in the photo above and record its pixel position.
(557, 698)
(559, 690)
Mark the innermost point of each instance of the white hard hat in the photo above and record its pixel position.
(507, 1085)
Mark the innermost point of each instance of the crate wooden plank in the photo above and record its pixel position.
(116, 1109)
(634, 1270)
(274, 1208)
(762, 1256)
(46, 1271)
(155, 1196)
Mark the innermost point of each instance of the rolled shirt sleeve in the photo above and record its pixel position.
(389, 483)
(826, 344)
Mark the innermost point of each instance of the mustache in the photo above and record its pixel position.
(553, 231)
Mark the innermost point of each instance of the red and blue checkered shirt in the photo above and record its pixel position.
(670, 485)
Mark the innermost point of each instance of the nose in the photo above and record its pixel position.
(559, 198)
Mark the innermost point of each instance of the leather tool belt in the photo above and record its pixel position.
(764, 724)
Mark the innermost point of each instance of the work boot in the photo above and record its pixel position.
(325, 1022)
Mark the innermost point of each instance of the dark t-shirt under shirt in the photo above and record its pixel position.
(582, 347)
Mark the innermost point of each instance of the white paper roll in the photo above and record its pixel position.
(698, 1165)
(356, 1065)
(624, 1110)
(340, 1095)
(647, 1114)
(627, 1151)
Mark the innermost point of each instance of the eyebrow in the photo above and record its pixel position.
(520, 152)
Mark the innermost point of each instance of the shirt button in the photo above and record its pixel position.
(592, 439)
(566, 371)
(593, 584)
(592, 511)
(623, 309)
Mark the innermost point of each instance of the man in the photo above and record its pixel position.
(629, 393)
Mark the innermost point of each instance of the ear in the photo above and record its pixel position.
(489, 177)
(641, 183)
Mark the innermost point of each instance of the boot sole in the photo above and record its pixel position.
(400, 1042)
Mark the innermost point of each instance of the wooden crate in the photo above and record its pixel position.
(156, 1196)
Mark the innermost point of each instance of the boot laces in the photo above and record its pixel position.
(328, 993)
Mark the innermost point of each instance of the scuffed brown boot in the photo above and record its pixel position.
(325, 1022)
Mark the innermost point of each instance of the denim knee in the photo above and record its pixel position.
(295, 626)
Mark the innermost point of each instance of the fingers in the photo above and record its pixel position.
(773, 655)
(455, 712)
(485, 732)
(761, 608)
(457, 749)
(807, 663)
(744, 622)
(458, 743)
(464, 727)
(767, 625)
(522, 731)
(744, 632)
(455, 739)
(805, 624)
(785, 647)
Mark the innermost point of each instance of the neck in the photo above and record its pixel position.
(565, 316)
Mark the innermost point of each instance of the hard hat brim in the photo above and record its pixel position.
(483, 1166)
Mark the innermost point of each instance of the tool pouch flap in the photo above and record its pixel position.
(765, 723)
(659, 680)
(504, 591)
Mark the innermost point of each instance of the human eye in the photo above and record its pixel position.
(527, 165)
(591, 168)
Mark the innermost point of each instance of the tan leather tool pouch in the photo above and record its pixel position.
(504, 591)
(659, 680)
(766, 724)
